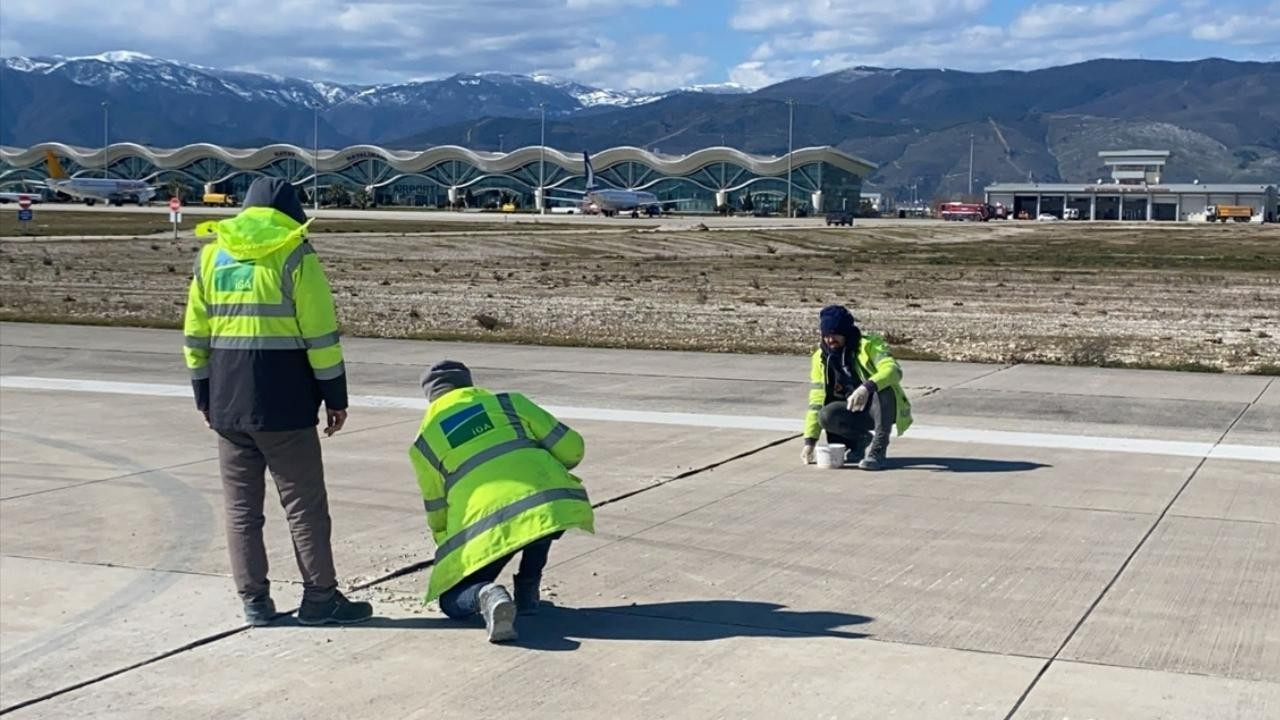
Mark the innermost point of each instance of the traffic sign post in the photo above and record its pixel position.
(25, 213)
(175, 214)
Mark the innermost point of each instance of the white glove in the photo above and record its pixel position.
(807, 454)
(858, 399)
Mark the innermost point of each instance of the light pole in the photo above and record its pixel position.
(105, 117)
(315, 161)
(791, 123)
(970, 165)
(542, 163)
(315, 149)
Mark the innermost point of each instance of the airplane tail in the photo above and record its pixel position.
(591, 174)
(55, 168)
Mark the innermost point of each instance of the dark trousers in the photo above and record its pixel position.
(851, 428)
(298, 470)
(463, 600)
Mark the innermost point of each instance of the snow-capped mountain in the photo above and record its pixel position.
(143, 73)
(724, 88)
(588, 96)
(166, 101)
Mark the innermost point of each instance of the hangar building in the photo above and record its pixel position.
(1136, 191)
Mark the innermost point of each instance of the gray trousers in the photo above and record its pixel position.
(877, 418)
(296, 465)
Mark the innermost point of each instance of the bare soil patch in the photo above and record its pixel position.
(1179, 296)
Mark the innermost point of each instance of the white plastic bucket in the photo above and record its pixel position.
(835, 456)
(829, 456)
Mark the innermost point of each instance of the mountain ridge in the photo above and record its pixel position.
(1221, 118)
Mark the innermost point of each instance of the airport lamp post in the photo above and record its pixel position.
(791, 123)
(106, 114)
(315, 150)
(970, 167)
(542, 163)
(315, 160)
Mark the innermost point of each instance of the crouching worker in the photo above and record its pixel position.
(494, 473)
(855, 392)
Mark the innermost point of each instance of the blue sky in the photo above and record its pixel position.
(641, 44)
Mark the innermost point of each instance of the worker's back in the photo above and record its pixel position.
(261, 332)
(494, 474)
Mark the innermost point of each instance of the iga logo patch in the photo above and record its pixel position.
(466, 424)
(234, 278)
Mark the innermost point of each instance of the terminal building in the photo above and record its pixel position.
(1135, 192)
(818, 178)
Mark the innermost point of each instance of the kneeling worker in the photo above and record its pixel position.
(494, 474)
(855, 392)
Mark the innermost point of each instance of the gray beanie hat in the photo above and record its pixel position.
(444, 377)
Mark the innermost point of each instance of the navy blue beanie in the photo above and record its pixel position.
(836, 320)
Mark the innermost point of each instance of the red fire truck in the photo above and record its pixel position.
(974, 212)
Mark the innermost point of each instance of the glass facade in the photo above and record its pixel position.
(745, 183)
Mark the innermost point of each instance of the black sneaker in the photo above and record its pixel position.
(337, 610)
(260, 612)
(855, 453)
(874, 460)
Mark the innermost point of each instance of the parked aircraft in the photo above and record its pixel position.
(611, 201)
(91, 190)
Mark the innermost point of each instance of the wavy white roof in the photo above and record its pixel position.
(409, 161)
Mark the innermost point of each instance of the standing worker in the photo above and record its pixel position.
(262, 347)
(494, 474)
(855, 392)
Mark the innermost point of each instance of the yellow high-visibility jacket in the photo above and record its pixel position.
(261, 330)
(874, 363)
(494, 475)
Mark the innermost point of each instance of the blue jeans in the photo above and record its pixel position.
(463, 600)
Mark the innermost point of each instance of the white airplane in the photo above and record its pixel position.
(611, 201)
(91, 190)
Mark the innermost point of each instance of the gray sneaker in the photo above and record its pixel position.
(499, 613)
(260, 612)
(874, 460)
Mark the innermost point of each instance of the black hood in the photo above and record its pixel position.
(274, 192)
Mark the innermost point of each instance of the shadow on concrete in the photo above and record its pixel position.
(561, 629)
(962, 465)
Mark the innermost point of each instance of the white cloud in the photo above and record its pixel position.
(1060, 20)
(1256, 26)
(616, 4)
(649, 65)
(820, 36)
(387, 41)
(847, 15)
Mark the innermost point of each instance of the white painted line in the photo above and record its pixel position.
(1173, 448)
(19, 382)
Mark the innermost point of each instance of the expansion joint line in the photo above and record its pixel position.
(401, 572)
(1044, 669)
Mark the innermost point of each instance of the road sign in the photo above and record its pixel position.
(175, 217)
(24, 202)
(174, 205)
(25, 215)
